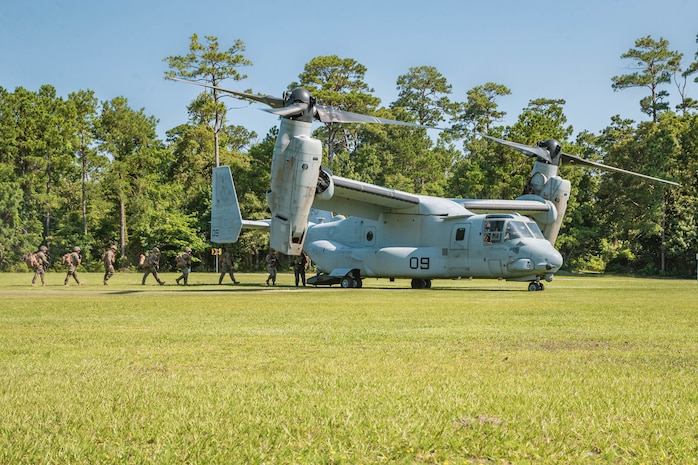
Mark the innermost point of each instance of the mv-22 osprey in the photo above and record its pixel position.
(389, 233)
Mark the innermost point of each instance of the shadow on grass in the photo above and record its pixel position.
(254, 287)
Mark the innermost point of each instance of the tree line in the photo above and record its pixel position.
(76, 171)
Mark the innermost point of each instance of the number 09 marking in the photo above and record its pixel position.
(419, 263)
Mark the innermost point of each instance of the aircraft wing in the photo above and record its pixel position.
(358, 198)
(527, 205)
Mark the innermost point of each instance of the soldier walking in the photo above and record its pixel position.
(73, 261)
(109, 257)
(152, 265)
(300, 264)
(227, 265)
(184, 262)
(40, 263)
(272, 264)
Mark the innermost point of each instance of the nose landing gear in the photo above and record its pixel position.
(536, 286)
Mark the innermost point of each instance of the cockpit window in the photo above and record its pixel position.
(533, 226)
(516, 230)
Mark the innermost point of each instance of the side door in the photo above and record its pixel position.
(458, 260)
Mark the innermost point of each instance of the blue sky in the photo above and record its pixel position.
(539, 49)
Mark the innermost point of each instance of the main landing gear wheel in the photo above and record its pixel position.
(421, 284)
(536, 286)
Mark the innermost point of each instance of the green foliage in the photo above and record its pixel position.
(655, 65)
(74, 171)
(424, 92)
(338, 82)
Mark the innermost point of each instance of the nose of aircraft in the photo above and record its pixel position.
(547, 259)
(554, 261)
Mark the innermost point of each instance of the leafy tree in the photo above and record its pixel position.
(82, 110)
(17, 235)
(480, 111)
(205, 62)
(473, 117)
(634, 209)
(579, 239)
(681, 225)
(129, 138)
(402, 157)
(493, 171)
(655, 64)
(338, 82)
(424, 92)
(687, 103)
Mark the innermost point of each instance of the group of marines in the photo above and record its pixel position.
(149, 264)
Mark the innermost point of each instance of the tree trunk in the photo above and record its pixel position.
(122, 223)
(84, 188)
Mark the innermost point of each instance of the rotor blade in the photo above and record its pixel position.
(274, 102)
(327, 114)
(293, 109)
(592, 164)
(528, 150)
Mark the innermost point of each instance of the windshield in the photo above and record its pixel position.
(516, 230)
(520, 229)
(535, 230)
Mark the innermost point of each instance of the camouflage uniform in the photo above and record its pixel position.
(73, 262)
(186, 256)
(41, 264)
(272, 264)
(153, 264)
(300, 264)
(227, 265)
(109, 257)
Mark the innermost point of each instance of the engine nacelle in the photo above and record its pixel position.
(294, 176)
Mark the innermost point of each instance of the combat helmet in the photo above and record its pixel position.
(43, 248)
(187, 249)
(156, 250)
(76, 249)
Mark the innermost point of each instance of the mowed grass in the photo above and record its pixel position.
(592, 370)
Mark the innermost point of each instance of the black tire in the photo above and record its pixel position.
(347, 282)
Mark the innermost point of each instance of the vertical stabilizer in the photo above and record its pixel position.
(226, 220)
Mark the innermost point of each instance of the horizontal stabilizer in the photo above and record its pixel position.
(256, 224)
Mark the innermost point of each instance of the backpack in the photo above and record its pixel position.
(180, 261)
(31, 260)
(142, 262)
(65, 260)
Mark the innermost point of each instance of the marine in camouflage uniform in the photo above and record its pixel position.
(227, 266)
(272, 264)
(300, 264)
(109, 257)
(73, 262)
(41, 264)
(186, 257)
(152, 266)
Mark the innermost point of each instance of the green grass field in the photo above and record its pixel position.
(592, 370)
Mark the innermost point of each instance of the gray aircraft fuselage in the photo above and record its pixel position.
(508, 246)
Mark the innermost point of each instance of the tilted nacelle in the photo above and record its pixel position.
(294, 178)
(546, 184)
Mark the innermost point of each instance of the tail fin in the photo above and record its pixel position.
(226, 220)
